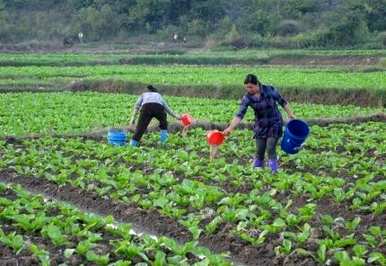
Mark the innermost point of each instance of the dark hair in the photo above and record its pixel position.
(151, 88)
(250, 78)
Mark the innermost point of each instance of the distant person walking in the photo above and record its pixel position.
(175, 37)
(151, 105)
(80, 36)
(268, 128)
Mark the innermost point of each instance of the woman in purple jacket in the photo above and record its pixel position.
(268, 126)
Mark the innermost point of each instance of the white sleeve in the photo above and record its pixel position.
(167, 108)
(138, 104)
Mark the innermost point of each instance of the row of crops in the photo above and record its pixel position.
(45, 232)
(285, 77)
(24, 113)
(247, 56)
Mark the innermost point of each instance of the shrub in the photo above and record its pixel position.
(234, 38)
(382, 38)
(198, 27)
(289, 27)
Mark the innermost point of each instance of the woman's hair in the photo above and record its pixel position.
(250, 78)
(151, 88)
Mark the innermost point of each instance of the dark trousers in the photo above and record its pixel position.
(148, 112)
(266, 144)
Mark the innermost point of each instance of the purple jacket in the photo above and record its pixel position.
(268, 119)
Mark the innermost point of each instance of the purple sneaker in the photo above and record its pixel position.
(274, 165)
(258, 164)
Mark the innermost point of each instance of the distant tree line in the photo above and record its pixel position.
(240, 23)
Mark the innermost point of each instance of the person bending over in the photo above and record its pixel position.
(151, 105)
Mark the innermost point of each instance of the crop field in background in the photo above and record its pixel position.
(244, 56)
(313, 76)
(72, 200)
(285, 76)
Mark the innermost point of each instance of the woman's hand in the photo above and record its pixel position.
(291, 116)
(227, 131)
(232, 126)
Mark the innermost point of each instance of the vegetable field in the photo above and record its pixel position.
(318, 76)
(77, 200)
(328, 205)
(74, 237)
(24, 113)
(243, 56)
(285, 76)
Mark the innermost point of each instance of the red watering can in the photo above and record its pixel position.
(186, 120)
(215, 138)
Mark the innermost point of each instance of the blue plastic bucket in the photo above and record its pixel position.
(116, 137)
(296, 132)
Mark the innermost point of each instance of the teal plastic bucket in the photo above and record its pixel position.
(116, 137)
